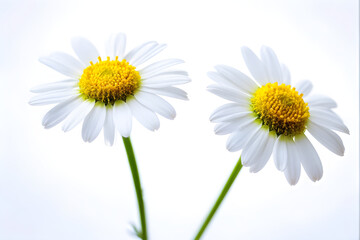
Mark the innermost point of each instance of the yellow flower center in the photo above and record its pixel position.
(281, 108)
(109, 81)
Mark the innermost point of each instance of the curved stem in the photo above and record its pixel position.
(221, 197)
(135, 173)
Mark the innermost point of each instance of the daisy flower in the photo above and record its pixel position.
(105, 92)
(270, 116)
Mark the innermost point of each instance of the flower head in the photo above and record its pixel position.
(106, 92)
(270, 116)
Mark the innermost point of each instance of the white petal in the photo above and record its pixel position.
(222, 80)
(229, 94)
(172, 73)
(228, 109)
(237, 124)
(242, 81)
(147, 49)
(224, 128)
(320, 101)
(258, 150)
(165, 81)
(239, 139)
(327, 119)
(293, 166)
(280, 152)
(264, 152)
(60, 111)
(53, 86)
(94, 122)
(77, 115)
(309, 158)
(63, 63)
(144, 115)
(109, 128)
(157, 67)
(85, 50)
(156, 104)
(249, 148)
(173, 92)
(286, 74)
(116, 46)
(272, 65)
(138, 51)
(149, 54)
(122, 118)
(327, 138)
(304, 87)
(52, 97)
(255, 66)
(239, 116)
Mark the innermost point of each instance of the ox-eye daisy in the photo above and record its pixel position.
(270, 116)
(106, 92)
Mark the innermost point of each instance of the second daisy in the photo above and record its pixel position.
(271, 116)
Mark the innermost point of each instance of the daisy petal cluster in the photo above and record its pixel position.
(106, 92)
(268, 116)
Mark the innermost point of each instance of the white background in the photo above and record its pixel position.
(55, 186)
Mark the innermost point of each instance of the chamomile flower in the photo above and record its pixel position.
(270, 116)
(105, 92)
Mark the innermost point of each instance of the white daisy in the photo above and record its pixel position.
(270, 116)
(106, 92)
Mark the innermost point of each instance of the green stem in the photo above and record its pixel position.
(221, 197)
(136, 178)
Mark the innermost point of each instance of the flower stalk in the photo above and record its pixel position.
(221, 197)
(135, 173)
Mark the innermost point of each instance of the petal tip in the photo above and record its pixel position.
(231, 149)
(126, 135)
(42, 60)
(65, 128)
(108, 143)
(228, 147)
(347, 131)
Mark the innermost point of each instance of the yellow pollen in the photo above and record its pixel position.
(281, 108)
(109, 81)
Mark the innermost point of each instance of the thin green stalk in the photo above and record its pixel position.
(135, 173)
(221, 197)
